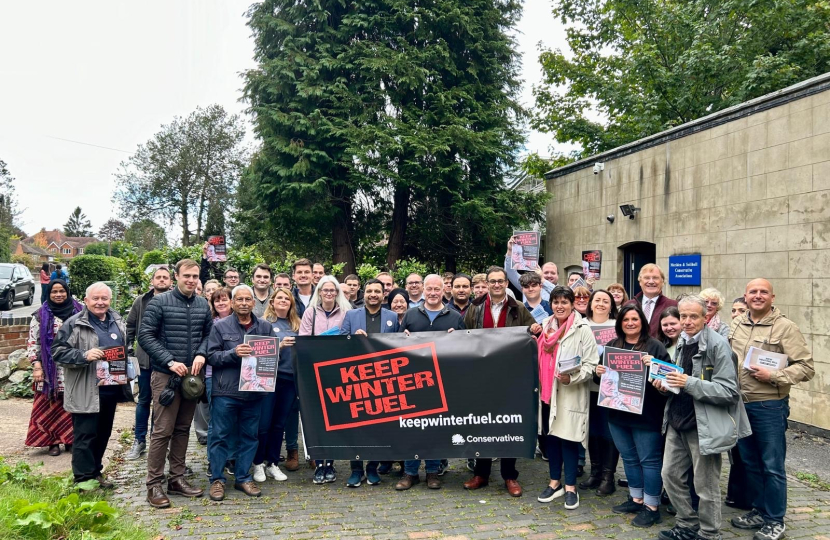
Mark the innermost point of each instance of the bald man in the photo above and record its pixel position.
(766, 395)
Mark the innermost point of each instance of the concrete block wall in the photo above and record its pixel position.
(751, 195)
(13, 334)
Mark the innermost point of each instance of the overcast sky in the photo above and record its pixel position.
(109, 74)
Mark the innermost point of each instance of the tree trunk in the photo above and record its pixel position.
(185, 226)
(400, 217)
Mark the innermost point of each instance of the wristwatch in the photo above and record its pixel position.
(170, 363)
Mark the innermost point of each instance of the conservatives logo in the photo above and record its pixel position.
(457, 439)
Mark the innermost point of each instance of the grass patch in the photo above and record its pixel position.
(813, 480)
(37, 507)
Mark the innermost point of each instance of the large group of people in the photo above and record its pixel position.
(672, 452)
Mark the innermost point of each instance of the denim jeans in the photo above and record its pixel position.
(292, 427)
(357, 465)
(233, 439)
(142, 408)
(411, 466)
(764, 453)
(276, 407)
(230, 415)
(642, 455)
(561, 451)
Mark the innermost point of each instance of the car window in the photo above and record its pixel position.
(5, 272)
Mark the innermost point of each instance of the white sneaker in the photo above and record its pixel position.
(259, 473)
(274, 472)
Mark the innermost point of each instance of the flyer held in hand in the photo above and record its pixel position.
(525, 254)
(623, 385)
(259, 371)
(430, 395)
(112, 370)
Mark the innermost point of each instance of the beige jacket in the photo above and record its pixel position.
(569, 403)
(774, 333)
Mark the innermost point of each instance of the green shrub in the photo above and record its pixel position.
(366, 272)
(28, 261)
(85, 270)
(119, 249)
(409, 266)
(155, 256)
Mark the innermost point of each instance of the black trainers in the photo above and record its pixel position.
(770, 531)
(647, 517)
(443, 466)
(330, 474)
(550, 493)
(750, 520)
(571, 500)
(678, 533)
(319, 475)
(628, 507)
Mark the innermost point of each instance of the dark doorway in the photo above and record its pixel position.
(635, 256)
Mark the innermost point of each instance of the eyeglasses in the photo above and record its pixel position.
(581, 297)
(496, 281)
(328, 291)
(414, 282)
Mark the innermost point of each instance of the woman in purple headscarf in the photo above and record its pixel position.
(50, 425)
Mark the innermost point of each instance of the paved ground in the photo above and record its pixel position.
(20, 310)
(299, 509)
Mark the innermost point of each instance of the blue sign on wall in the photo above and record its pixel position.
(684, 270)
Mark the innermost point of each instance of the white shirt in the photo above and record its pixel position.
(304, 298)
(495, 309)
(653, 302)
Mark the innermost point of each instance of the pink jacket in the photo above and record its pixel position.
(321, 322)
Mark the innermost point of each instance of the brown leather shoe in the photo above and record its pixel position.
(249, 488)
(433, 481)
(104, 483)
(156, 497)
(292, 461)
(513, 488)
(407, 482)
(183, 488)
(476, 482)
(55, 450)
(217, 491)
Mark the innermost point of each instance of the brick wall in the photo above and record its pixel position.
(13, 335)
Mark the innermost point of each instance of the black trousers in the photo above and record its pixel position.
(92, 433)
(485, 465)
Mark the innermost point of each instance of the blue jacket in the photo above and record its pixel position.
(225, 335)
(356, 320)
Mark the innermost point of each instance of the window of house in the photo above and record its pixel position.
(67, 251)
(80, 251)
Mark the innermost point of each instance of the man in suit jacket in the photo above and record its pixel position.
(651, 299)
(369, 319)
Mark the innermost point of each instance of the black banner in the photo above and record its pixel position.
(432, 395)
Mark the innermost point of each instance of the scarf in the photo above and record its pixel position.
(488, 314)
(548, 348)
(48, 311)
(714, 323)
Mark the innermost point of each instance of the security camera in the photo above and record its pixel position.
(629, 210)
(610, 218)
(599, 167)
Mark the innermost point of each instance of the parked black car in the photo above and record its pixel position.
(16, 283)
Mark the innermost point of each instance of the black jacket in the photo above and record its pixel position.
(299, 303)
(175, 327)
(225, 335)
(134, 323)
(417, 320)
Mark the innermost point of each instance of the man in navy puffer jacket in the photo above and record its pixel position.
(174, 334)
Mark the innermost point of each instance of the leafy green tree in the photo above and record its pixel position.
(187, 165)
(77, 224)
(643, 66)
(378, 119)
(118, 249)
(146, 235)
(112, 230)
(8, 212)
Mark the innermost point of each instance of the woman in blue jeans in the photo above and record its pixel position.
(638, 437)
(276, 407)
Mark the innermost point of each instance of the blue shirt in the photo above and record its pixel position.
(432, 314)
(545, 305)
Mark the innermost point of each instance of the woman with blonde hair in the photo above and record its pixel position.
(714, 303)
(277, 406)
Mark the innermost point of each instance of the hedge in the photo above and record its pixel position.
(85, 270)
(155, 256)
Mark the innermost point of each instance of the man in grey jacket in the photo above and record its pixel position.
(160, 283)
(705, 418)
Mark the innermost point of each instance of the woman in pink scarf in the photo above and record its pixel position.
(565, 336)
(714, 302)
